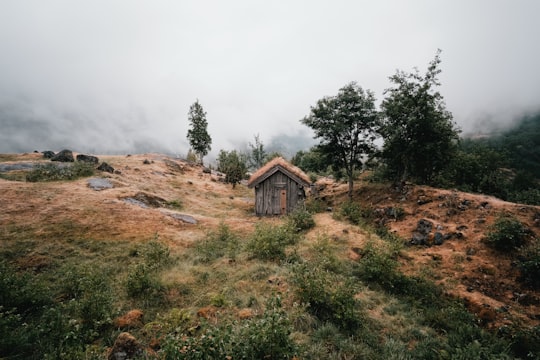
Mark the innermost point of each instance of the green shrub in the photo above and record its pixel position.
(156, 255)
(217, 244)
(267, 337)
(377, 266)
(35, 326)
(507, 234)
(58, 172)
(175, 204)
(354, 212)
(88, 293)
(301, 219)
(140, 281)
(268, 242)
(526, 343)
(329, 296)
(529, 264)
(315, 206)
(143, 278)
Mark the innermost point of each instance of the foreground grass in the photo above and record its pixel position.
(267, 294)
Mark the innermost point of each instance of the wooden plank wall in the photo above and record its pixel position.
(267, 198)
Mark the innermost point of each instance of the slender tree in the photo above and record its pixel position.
(258, 154)
(199, 139)
(419, 135)
(346, 125)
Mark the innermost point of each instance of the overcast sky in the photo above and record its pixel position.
(119, 75)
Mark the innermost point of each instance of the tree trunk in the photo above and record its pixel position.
(351, 183)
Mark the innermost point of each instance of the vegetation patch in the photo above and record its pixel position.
(507, 234)
(59, 172)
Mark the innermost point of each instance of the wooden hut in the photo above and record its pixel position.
(279, 187)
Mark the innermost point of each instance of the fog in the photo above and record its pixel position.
(119, 76)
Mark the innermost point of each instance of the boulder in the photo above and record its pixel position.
(424, 226)
(184, 218)
(105, 167)
(438, 238)
(88, 159)
(48, 154)
(421, 234)
(99, 184)
(64, 156)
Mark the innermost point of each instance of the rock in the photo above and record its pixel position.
(145, 200)
(105, 167)
(47, 154)
(146, 162)
(136, 202)
(419, 239)
(125, 346)
(207, 171)
(185, 218)
(422, 199)
(99, 184)
(174, 166)
(15, 167)
(424, 226)
(438, 238)
(64, 156)
(87, 159)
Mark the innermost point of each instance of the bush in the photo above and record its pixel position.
(267, 337)
(156, 255)
(529, 264)
(329, 296)
(141, 281)
(507, 234)
(90, 297)
(315, 206)
(268, 242)
(354, 212)
(58, 172)
(217, 244)
(301, 219)
(377, 266)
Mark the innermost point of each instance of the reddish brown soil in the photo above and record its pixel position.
(464, 265)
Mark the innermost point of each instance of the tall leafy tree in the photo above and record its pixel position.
(197, 134)
(419, 135)
(233, 165)
(346, 125)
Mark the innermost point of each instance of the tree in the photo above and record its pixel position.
(257, 155)
(346, 125)
(419, 135)
(310, 160)
(198, 136)
(233, 165)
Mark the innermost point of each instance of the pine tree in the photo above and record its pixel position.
(197, 134)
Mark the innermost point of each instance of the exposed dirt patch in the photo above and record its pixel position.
(463, 264)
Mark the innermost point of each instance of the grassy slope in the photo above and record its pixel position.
(48, 229)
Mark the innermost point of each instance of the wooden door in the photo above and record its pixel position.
(283, 201)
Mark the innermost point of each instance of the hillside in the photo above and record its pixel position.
(463, 264)
(46, 226)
